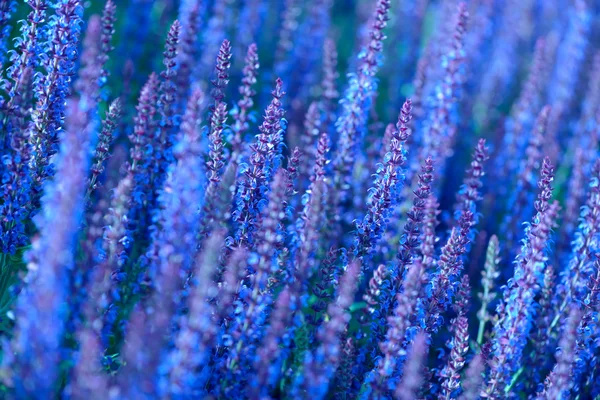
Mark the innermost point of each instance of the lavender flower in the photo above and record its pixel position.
(385, 192)
(31, 361)
(247, 92)
(52, 89)
(473, 378)
(264, 151)
(515, 320)
(559, 382)
(103, 146)
(413, 376)
(357, 102)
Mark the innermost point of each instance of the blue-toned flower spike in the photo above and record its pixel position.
(229, 288)
(267, 366)
(321, 364)
(86, 85)
(443, 285)
(488, 282)
(165, 137)
(197, 335)
(501, 72)
(583, 371)
(26, 56)
(413, 378)
(411, 236)
(450, 374)
(246, 102)
(470, 192)
(560, 381)
(105, 139)
(187, 53)
(212, 38)
(7, 7)
(221, 78)
(313, 127)
(167, 265)
(574, 278)
(523, 112)
(108, 30)
(393, 345)
(31, 361)
(254, 183)
(216, 144)
(356, 104)
(289, 24)
(516, 310)
(329, 91)
(429, 240)
(248, 327)
(540, 339)
(439, 127)
(142, 148)
(321, 158)
(386, 189)
(88, 380)
(520, 197)
(97, 47)
(473, 379)
(571, 55)
(51, 91)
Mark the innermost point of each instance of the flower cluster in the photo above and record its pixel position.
(261, 200)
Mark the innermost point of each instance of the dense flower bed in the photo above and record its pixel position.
(313, 199)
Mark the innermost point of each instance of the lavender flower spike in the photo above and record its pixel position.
(31, 361)
(413, 373)
(558, 384)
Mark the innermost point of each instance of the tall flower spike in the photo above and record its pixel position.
(444, 283)
(470, 192)
(560, 381)
(32, 361)
(188, 49)
(164, 139)
(221, 78)
(26, 56)
(520, 197)
(52, 90)
(430, 223)
(574, 278)
(399, 323)
(411, 237)
(473, 379)
(413, 378)
(196, 337)
(167, 264)
(216, 145)
(254, 183)
(385, 193)
(105, 140)
(320, 365)
(357, 102)
(329, 90)
(249, 325)
(246, 101)
(265, 364)
(523, 111)
(439, 128)
(7, 7)
(459, 348)
(512, 329)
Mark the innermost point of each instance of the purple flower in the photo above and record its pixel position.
(413, 378)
